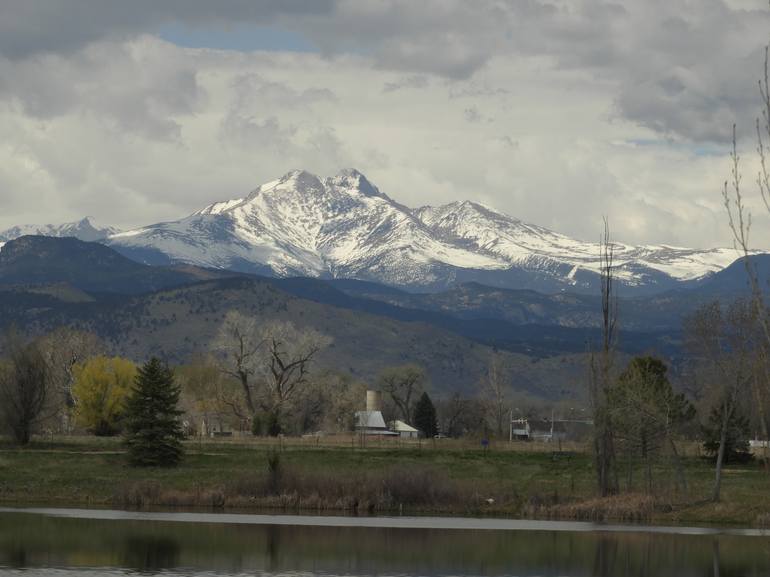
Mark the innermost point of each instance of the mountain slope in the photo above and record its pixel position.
(89, 266)
(176, 323)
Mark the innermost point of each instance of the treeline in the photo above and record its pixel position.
(255, 378)
(263, 379)
(639, 419)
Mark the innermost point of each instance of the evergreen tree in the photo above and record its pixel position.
(425, 416)
(153, 429)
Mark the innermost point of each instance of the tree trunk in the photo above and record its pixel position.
(726, 413)
(244, 378)
(680, 477)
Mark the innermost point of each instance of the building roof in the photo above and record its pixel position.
(402, 427)
(370, 420)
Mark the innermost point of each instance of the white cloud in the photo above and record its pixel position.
(557, 113)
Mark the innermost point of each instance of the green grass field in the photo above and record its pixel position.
(445, 477)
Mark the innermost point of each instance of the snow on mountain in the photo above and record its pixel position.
(345, 227)
(526, 245)
(84, 229)
(301, 225)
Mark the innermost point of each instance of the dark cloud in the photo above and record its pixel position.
(29, 27)
(678, 68)
(138, 88)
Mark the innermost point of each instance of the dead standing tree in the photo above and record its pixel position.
(600, 377)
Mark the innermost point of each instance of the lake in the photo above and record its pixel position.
(76, 542)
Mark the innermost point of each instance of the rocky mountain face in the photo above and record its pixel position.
(344, 227)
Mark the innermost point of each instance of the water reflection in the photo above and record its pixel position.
(148, 553)
(73, 546)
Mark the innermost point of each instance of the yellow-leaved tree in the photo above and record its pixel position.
(101, 387)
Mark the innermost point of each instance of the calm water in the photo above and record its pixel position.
(74, 543)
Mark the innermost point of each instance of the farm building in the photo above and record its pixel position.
(371, 421)
(404, 430)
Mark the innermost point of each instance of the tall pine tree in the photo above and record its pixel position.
(153, 430)
(425, 416)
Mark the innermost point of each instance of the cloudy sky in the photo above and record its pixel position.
(555, 111)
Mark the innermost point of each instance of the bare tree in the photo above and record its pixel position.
(403, 384)
(739, 220)
(238, 348)
(451, 413)
(600, 376)
(493, 388)
(62, 349)
(342, 394)
(724, 342)
(211, 395)
(24, 388)
(271, 362)
(286, 362)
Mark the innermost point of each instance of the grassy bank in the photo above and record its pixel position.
(444, 477)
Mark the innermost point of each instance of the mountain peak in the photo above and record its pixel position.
(353, 180)
(297, 174)
(300, 179)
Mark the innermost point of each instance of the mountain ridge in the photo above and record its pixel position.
(343, 226)
(84, 229)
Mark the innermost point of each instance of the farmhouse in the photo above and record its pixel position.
(404, 430)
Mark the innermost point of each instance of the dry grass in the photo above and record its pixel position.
(354, 441)
(418, 488)
(628, 507)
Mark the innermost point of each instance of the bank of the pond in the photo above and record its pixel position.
(382, 522)
(431, 478)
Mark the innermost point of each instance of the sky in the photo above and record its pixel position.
(557, 112)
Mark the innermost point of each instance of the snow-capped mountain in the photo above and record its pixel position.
(84, 229)
(344, 227)
(487, 230)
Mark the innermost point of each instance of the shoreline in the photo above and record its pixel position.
(444, 481)
(382, 522)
